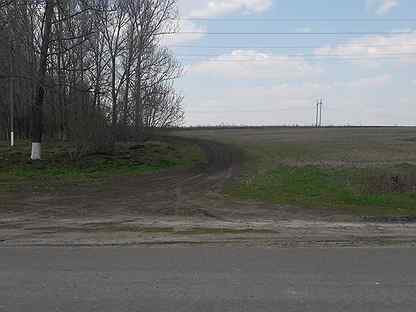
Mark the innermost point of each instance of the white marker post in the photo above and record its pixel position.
(12, 139)
(36, 151)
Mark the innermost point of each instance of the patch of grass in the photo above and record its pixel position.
(314, 187)
(58, 169)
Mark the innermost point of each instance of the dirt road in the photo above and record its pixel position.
(179, 206)
(164, 193)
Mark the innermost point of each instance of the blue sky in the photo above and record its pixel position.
(364, 79)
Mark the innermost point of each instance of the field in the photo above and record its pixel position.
(279, 186)
(359, 171)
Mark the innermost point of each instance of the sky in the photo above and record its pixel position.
(359, 56)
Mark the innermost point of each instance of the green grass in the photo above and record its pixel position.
(344, 190)
(58, 170)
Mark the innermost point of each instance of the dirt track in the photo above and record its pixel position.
(164, 193)
(179, 206)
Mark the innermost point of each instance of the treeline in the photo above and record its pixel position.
(86, 70)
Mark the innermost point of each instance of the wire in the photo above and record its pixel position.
(305, 55)
(290, 33)
(372, 20)
(284, 47)
(296, 59)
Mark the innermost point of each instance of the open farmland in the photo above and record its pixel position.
(359, 171)
(280, 186)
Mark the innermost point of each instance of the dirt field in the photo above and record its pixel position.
(357, 171)
(189, 205)
(332, 147)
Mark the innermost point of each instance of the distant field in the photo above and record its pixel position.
(364, 171)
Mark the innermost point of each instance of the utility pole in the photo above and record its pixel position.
(318, 120)
(320, 113)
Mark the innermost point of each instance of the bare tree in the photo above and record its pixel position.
(114, 21)
(150, 18)
(38, 104)
(78, 60)
(164, 107)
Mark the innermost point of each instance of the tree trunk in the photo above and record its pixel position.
(38, 104)
(139, 102)
(114, 93)
(11, 94)
(128, 78)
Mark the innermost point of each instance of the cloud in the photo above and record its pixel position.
(258, 105)
(382, 7)
(210, 8)
(213, 8)
(254, 65)
(194, 33)
(400, 46)
(353, 101)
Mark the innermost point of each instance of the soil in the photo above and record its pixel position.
(180, 206)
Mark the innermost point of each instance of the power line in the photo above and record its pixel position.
(294, 59)
(304, 55)
(347, 33)
(284, 47)
(371, 20)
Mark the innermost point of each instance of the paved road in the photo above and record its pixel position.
(207, 279)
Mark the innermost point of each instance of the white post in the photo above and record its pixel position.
(36, 151)
(12, 139)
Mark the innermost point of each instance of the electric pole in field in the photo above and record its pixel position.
(318, 120)
(320, 113)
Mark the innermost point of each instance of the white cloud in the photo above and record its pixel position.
(194, 33)
(254, 65)
(212, 8)
(382, 7)
(277, 104)
(400, 46)
(353, 101)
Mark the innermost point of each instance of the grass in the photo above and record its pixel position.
(58, 170)
(358, 171)
(313, 187)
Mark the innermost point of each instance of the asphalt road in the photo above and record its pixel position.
(207, 279)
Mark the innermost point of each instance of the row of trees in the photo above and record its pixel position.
(86, 69)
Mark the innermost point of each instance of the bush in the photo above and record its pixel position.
(90, 133)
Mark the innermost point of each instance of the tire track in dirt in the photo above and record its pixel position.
(170, 192)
